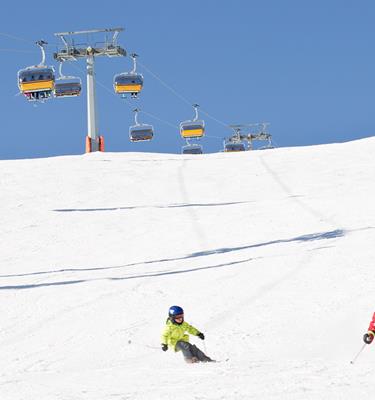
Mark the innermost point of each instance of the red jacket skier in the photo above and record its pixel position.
(369, 336)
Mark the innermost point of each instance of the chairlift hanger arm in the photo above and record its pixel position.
(134, 57)
(196, 112)
(41, 44)
(136, 111)
(60, 69)
(114, 38)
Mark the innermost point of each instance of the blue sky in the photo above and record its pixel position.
(306, 67)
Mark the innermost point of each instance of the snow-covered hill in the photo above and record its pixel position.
(271, 254)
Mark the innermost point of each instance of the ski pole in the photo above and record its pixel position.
(360, 351)
(143, 345)
(204, 346)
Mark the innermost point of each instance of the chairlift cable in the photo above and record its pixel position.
(159, 119)
(213, 137)
(213, 118)
(16, 38)
(166, 85)
(179, 95)
(31, 42)
(19, 51)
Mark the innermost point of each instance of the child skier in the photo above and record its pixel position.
(369, 336)
(175, 335)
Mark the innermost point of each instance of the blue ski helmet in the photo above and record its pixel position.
(175, 310)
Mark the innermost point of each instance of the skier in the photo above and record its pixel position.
(369, 336)
(175, 334)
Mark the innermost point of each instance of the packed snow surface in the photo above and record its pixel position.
(270, 253)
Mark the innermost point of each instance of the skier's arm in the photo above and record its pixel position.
(165, 335)
(191, 329)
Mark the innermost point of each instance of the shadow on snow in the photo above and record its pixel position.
(150, 275)
(303, 238)
(161, 206)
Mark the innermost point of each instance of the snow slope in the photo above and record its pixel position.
(269, 252)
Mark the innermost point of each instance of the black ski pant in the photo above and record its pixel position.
(191, 350)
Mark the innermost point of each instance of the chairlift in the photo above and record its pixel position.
(140, 132)
(129, 82)
(192, 128)
(67, 86)
(235, 142)
(192, 149)
(230, 147)
(263, 135)
(36, 82)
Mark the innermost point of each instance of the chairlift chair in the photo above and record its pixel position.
(67, 86)
(234, 143)
(231, 147)
(37, 82)
(129, 82)
(192, 128)
(140, 132)
(192, 149)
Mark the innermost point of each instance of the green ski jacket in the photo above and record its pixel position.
(173, 333)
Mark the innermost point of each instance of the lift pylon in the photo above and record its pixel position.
(89, 50)
(252, 132)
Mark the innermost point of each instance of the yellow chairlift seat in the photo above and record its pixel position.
(192, 129)
(128, 83)
(36, 79)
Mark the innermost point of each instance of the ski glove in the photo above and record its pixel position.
(368, 337)
(200, 335)
(164, 347)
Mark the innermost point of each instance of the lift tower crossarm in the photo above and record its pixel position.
(90, 31)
